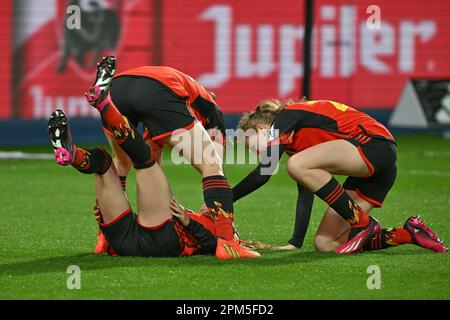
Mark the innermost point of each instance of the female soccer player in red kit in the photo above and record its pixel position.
(325, 138)
(170, 104)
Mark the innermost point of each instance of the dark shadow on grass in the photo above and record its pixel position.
(413, 251)
(94, 262)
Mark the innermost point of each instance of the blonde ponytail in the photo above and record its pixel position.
(264, 113)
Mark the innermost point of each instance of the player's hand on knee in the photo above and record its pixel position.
(179, 212)
(96, 209)
(97, 212)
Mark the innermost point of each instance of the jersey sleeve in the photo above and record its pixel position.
(211, 112)
(259, 176)
(216, 120)
(303, 210)
(284, 126)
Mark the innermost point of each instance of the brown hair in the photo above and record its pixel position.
(264, 113)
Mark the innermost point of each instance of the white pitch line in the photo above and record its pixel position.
(436, 154)
(19, 155)
(436, 173)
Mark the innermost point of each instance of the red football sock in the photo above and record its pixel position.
(218, 197)
(91, 161)
(388, 238)
(338, 199)
(126, 135)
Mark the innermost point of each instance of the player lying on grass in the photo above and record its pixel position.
(166, 100)
(325, 138)
(162, 228)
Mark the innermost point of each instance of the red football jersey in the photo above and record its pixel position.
(200, 102)
(302, 125)
(189, 243)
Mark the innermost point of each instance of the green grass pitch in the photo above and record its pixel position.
(47, 225)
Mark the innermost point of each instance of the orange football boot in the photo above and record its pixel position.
(102, 244)
(231, 249)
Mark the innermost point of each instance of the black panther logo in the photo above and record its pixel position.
(100, 31)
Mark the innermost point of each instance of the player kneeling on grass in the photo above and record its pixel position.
(324, 138)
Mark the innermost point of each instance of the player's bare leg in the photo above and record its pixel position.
(111, 198)
(333, 231)
(153, 196)
(314, 168)
(196, 146)
(110, 195)
(121, 160)
(153, 190)
(123, 164)
(204, 157)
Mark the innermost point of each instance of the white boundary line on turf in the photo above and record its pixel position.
(19, 155)
(436, 154)
(436, 173)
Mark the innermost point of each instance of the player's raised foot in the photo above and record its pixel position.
(59, 132)
(423, 236)
(98, 93)
(359, 236)
(232, 249)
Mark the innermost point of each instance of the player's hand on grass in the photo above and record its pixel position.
(257, 245)
(179, 212)
(287, 247)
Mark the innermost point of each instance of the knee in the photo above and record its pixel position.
(297, 168)
(324, 244)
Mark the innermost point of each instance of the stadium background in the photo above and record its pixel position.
(244, 51)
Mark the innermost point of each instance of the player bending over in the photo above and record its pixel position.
(164, 99)
(162, 228)
(325, 138)
(167, 102)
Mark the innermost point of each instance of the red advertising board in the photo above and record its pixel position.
(5, 58)
(244, 51)
(250, 50)
(57, 64)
